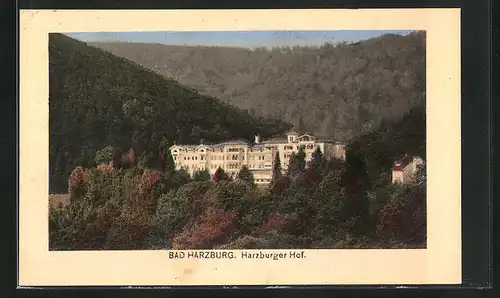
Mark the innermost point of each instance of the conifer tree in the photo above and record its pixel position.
(245, 175)
(301, 158)
(220, 175)
(317, 160)
(277, 174)
(292, 165)
(297, 162)
(168, 163)
(203, 175)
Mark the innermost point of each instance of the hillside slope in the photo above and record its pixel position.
(391, 141)
(330, 205)
(97, 99)
(343, 90)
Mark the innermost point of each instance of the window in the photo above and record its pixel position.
(175, 157)
(288, 147)
(310, 146)
(202, 158)
(189, 158)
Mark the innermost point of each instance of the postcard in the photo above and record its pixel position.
(240, 147)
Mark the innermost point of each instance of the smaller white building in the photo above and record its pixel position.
(404, 170)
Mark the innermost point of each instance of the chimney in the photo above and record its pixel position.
(257, 139)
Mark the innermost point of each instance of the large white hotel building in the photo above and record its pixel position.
(258, 156)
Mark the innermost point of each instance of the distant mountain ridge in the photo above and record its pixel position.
(342, 90)
(97, 99)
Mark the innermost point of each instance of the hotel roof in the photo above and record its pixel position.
(281, 138)
(236, 142)
(292, 131)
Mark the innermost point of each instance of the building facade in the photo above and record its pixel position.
(258, 156)
(404, 170)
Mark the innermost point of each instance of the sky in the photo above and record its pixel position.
(247, 39)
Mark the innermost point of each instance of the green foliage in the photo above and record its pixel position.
(97, 99)
(317, 160)
(277, 170)
(269, 240)
(330, 204)
(176, 179)
(379, 149)
(203, 175)
(245, 175)
(232, 195)
(176, 209)
(340, 89)
(104, 155)
(297, 163)
(220, 175)
(168, 162)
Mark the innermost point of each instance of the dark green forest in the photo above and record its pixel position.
(343, 90)
(326, 204)
(97, 100)
(112, 119)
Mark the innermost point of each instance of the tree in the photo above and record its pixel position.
(301, 158)
(245, 175)
(220, 175)
(164, 143)
(291, 165)
(104, 155)
(177, 179)
(277, 172)
(168, 162)
(317, 160)
(357, 186)
(203, 175)
(145, 160)
(297, 162)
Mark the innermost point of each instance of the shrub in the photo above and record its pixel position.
(287, 223)
(220, 175)
(211, 230)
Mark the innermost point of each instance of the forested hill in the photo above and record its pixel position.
(391, 141)
(97, 99)
(343, 90)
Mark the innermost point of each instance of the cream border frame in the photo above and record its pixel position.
(440, 263)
